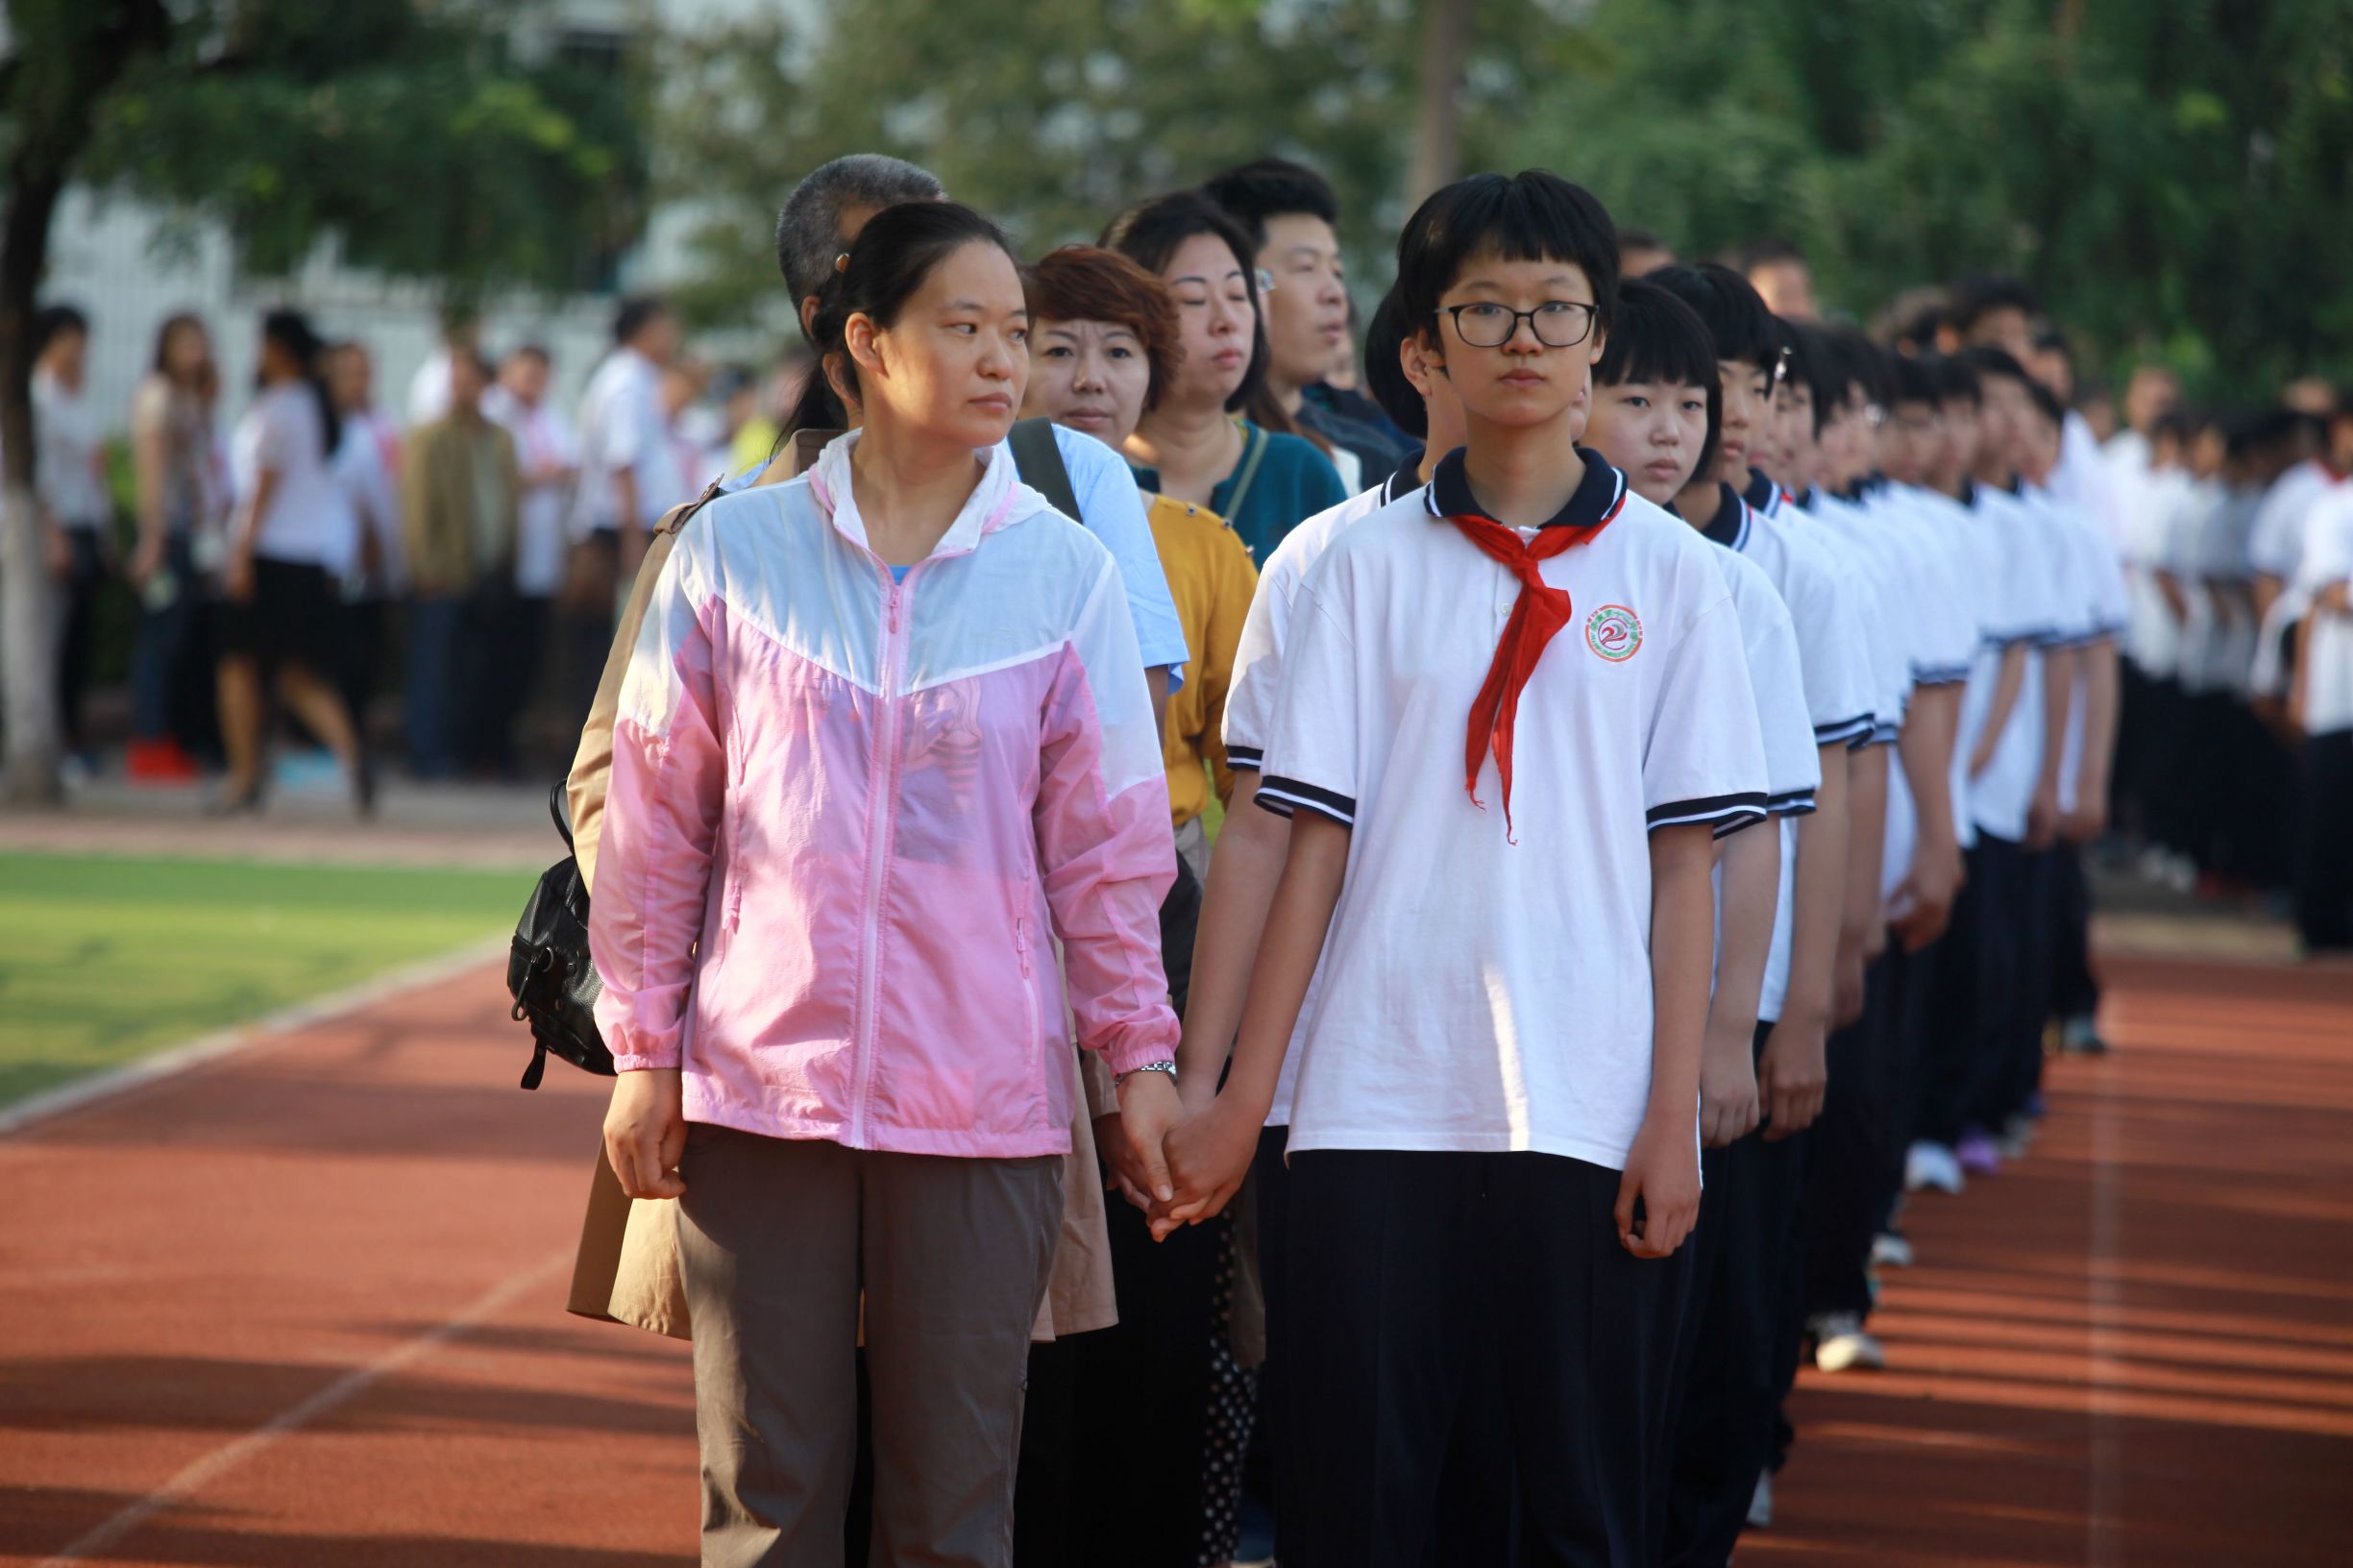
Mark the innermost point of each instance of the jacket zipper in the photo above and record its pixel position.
(1029, 991)
(882, 793)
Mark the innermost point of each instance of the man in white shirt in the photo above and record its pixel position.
(627, 478)
(72, 497)
(429, 389)
(367, 469)
(547, 457)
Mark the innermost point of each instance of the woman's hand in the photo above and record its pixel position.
(1207, 1157)
(1128, 1179)
(238, 579)
(1148, 1108)
(1662, 1172)
(645, 1133)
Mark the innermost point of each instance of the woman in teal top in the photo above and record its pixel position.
(1191, 445)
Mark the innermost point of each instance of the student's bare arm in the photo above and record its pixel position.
(2007, 684)
(1792, 1072)
(1245, 865)
(2059, 669)
(1662, 1169)
(1210, 1155)
(1925, 750)
(2176, 601)
(1752, 864)
(2097, 689)
(1862, 932)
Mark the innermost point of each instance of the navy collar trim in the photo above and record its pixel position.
(1405, 482)
(1729, 527)
(1761, 491)
(1598, 497)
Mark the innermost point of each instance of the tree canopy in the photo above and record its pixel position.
(2172, 178)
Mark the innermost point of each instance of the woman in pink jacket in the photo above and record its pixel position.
(885, 736)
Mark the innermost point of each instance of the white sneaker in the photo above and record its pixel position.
(1932, 1168)
(1760, 1502)
(1888, 1250)
(1841, 1344)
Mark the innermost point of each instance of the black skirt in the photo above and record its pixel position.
(295, 613)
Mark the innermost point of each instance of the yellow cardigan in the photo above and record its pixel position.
(1210, 578)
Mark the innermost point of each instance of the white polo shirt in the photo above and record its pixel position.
(1482, 995)
(2039, 608)
(623, 429)
(1841, 691)
(2100, 613)
(1839, 686)
(2328, 641)
(1877, 582)
(2276, 544)
(1258, 679)
(1793, 762)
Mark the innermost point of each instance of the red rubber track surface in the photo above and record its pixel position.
(2134, 1348)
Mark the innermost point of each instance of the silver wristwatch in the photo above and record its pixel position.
(1169, 1067)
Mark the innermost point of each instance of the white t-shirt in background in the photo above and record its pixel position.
(309, 520)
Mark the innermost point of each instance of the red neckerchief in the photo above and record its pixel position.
(1540, 611)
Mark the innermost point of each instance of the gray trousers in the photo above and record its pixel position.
(777, 1241)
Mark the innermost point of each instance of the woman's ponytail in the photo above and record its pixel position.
(291, 330)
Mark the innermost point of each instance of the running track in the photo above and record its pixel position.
(301, 1307)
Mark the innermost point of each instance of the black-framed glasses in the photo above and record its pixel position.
(1558, 324)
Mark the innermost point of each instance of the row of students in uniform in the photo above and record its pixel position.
(2232, 556)
(1587, 945)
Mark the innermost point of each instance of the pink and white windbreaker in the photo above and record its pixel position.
(845, 810)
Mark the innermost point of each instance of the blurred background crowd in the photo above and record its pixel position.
(460, 613)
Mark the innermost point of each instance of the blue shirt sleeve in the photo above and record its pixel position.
(1112, 510)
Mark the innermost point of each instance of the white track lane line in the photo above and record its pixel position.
(226, 1458)
(2102, 1546)
(174, 1060)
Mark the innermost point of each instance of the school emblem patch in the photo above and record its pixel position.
(1614, 632)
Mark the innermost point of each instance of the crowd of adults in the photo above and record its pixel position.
(301, 552)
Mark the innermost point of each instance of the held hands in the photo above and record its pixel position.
(645, 1133)
(1662, 1175)
(1208, 1157)
(1149, 1109)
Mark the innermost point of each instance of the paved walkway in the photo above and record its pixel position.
(302, 1306)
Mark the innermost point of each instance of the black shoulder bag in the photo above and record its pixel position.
(548, 972)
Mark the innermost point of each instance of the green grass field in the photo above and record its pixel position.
(105, 959)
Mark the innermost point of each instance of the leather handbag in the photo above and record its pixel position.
(548, 972)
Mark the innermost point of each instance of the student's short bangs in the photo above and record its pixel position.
(1913, 380)
(1816, 363)
(1529, 217)
(1955, 381)
(1744, 331)
(1656, 338)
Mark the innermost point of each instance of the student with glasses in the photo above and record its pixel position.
(1493, 1151)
